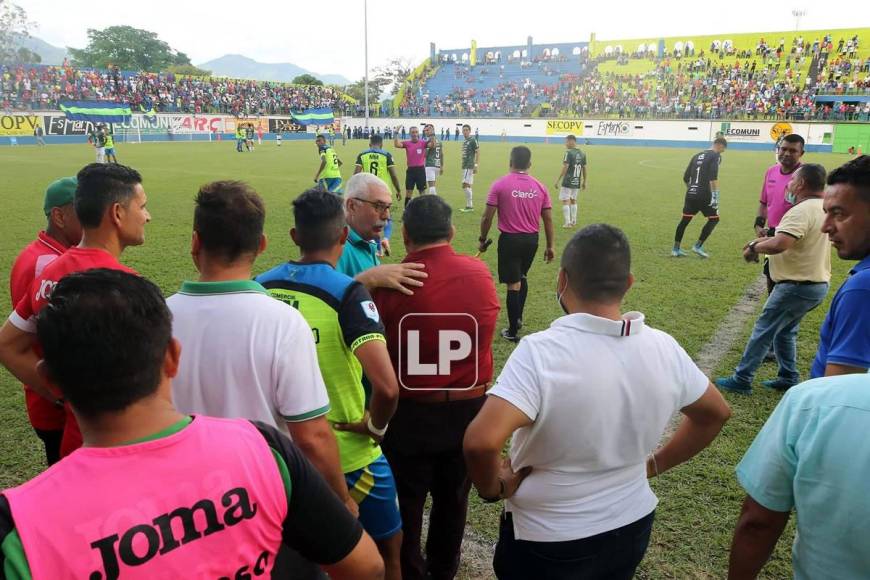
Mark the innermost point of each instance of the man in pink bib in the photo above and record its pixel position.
(154, 493)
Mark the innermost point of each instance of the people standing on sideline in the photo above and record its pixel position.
(107, 342)
(415, 174)
(571, 180)
(844, 341)
(522, 202)
(62, 231)
(470, 164)
(110, 204)
(350, 341)
(328, 176)
(424, 441)
(274, 377)
(39, 133)
(811, 458)
(800, 266)
(772, 201)
(702, 180)
(587, 401)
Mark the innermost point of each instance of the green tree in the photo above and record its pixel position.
(307, 79)
(376, 87)
(127, 48)
(189, 70)
(14, 27)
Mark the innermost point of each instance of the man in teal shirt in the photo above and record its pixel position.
(813, 456)
(367, 211)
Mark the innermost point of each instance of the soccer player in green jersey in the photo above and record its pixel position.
(434, 158)
(328, 175)
(350, 341)
(470, 163)
(378, 162)
(109, 135)
(571, 180)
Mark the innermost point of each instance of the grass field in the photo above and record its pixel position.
(637, 189)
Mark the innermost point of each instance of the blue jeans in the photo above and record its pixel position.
(778, 324)
(612, 555)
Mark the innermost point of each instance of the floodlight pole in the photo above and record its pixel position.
(798, 14)
(366, 36)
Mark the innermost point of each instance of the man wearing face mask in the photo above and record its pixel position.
(800, 267)
(605, 379)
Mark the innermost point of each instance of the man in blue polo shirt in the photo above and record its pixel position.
(844, 343)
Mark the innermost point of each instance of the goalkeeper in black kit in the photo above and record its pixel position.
(702, 195)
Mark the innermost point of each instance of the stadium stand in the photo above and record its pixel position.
(747, 77)
(35, 87)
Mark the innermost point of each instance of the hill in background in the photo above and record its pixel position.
(242, 67)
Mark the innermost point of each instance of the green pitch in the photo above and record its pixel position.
(637, 189)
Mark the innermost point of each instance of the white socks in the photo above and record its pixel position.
(432, 191)
(468, 197)
(566, 214)
(573, 207)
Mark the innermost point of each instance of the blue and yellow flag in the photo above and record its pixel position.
(96, 111)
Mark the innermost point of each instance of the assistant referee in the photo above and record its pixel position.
(521, 202)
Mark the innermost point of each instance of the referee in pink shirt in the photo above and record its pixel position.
(415, 176)
(522, 202)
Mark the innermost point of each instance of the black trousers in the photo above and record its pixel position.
(51, 440)
(424, 448)
(613, 555)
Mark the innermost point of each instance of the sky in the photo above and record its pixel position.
(328, 38)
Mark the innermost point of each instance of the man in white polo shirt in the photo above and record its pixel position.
(246, 354)
(587, 401)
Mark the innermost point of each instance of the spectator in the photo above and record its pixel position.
(424, 442)
(108, 346)
(810, 457)
(603, 378)
(844, 343)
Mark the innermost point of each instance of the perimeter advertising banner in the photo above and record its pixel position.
(285, 125)
(564, 127)
(18, 125)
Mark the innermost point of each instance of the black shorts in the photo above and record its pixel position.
(516, 252)
(694, 204)
(415, 177)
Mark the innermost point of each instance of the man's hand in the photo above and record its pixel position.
(549, 255)
(361, 427)
(401, 277)
(475, 169)
(352, 506)
(749, 253)
(483, 246)
(512, 479)
(760, 232)
(583, 186)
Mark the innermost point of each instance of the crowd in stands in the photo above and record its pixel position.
(25, 87)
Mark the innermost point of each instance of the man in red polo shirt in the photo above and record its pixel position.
(440, 343)
(110, 204)
(62, 231)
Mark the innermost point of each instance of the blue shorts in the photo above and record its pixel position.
(331, 184)
(374, 490)
(110, 151)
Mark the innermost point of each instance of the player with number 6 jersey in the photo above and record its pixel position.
(702, 195)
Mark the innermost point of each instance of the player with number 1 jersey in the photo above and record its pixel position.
(702, 195)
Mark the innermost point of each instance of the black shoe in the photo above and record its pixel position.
(505, 334)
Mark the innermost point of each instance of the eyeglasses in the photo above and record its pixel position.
(379, 206)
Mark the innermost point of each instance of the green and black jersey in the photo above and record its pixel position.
(343, 317)
(434, 153)
(310, 503)
(576, 161)
(469, 148)
(377, 162)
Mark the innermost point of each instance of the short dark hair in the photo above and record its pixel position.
(794, 138)
(855, 173)
(813, 175)
(319, 217)
(376, 139)
(104, 336)
(571, 137)
(466, 125)
(320, 136)
(721, 141)
(597, 262)
(101, 185)
(427, 220)
(521, 157)
(228, 219)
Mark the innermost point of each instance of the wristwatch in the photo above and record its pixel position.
(752, 245)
